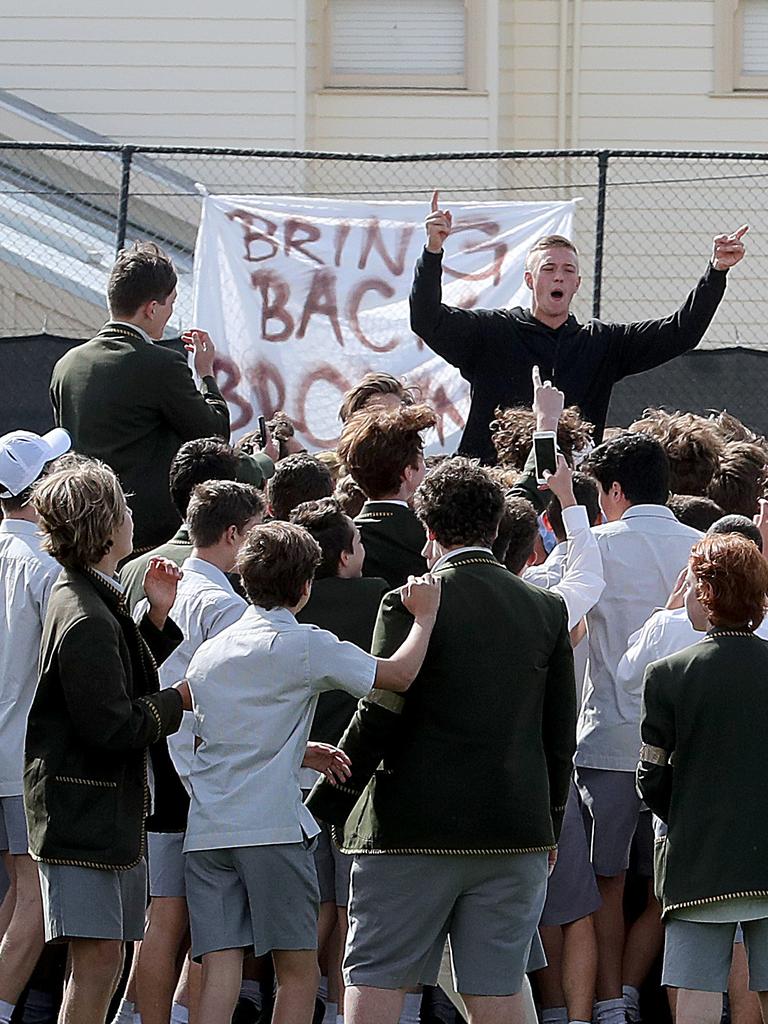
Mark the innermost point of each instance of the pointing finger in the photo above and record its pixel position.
(536, 377)
(741, 232)
(435, 197)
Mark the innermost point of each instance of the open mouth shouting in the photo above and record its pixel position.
(557, 293)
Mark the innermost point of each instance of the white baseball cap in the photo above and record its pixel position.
(24, 454)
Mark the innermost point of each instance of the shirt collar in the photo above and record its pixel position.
(274, 616)
(660, 511)
(388, 501)
(132, 327)
(209, 570)
(113, 581)
(459, 551)
(22, 527)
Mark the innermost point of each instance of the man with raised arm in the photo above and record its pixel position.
(495, 349)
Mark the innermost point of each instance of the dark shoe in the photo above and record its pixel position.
(247, 1012)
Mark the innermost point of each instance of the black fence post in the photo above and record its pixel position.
(122, 207)
(602, 187)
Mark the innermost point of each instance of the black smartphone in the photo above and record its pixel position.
(262, 432)
(545, 453)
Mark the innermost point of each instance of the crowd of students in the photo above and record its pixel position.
(359, 740)
(227, 604)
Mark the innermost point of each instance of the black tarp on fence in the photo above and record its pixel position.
(728, 378)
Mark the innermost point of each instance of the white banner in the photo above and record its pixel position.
(303, 296)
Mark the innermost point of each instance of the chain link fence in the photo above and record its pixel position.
(644, 222)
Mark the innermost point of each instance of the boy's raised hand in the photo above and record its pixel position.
(421, 596)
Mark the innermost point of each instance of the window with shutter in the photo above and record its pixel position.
(753, 36)
(741, 46)
(398, 43)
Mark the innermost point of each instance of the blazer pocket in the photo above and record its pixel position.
(83, 812)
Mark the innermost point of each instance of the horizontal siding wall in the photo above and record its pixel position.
(400, 122)
(661, 56)
(227, 78)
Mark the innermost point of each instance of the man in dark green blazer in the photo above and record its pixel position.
(465, 811)
(382, 450)
(132, 403)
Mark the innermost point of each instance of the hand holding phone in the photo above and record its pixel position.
(544, 453)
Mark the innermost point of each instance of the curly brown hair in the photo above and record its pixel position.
(460, 503)
(350, 497)
(80, 506)
(693, 444)
(731, 428)
(512, 434)
(731, 579)
(275, 563)
(740, 479)
(378, 447)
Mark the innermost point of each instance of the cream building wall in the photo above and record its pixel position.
(541, 74)
(545, 73)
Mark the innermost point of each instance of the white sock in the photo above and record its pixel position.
(125, 1013)
(331, 1012)
(580, 1022)
(339, 1018)
(251, 990)
(179, 1014)
(631, 1002)
(136, 1018)
(6, 1009)
(322, 988)
(411, 1008)
(554, 1015)
(610, 1011)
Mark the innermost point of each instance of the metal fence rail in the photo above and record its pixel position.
(644, 223)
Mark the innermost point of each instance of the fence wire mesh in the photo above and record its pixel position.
(64, 210)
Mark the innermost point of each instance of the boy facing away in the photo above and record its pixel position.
(250, 874)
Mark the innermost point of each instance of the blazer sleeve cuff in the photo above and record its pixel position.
(161, 642)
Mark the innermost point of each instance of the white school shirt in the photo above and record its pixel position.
(574, 569)
(666, 632)
(27, 574)
(205, 604)
(254, 690)
(642, 554)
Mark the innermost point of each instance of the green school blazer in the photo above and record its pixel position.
(133, 404)
(476, 756)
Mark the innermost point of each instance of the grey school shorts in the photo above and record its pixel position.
(403, 907)
(254, 897)
(13, 825)
(333, 869)
(166, 864)
(697, 955)
(611, 814)
(572, 891)
(86, 903)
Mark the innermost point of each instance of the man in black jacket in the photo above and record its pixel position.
(496, 349)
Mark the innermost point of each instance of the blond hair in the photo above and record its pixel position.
(80, 507)
(549, 242)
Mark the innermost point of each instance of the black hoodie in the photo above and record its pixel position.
(496, 350)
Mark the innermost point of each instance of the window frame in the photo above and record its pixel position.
(470, 81)
(729, 43)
